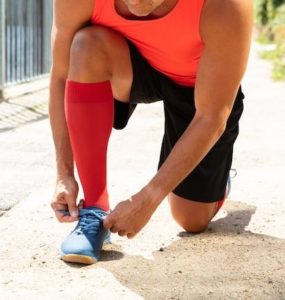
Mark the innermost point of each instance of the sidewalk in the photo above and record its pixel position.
(240, 256)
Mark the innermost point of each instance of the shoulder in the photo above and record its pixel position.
(226, 17)
(227, 7)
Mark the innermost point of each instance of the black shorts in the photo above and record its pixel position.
(207, 182)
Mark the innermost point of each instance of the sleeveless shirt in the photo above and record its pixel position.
(171, 44)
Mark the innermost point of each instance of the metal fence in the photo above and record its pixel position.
(24, 40)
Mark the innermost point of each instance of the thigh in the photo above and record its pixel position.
(207, 183)
(145, 88)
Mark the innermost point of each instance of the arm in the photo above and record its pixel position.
(226, 31)
(69, 17)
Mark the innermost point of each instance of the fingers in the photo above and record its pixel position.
(64, 199)
(61, 213)
(122, 233)
(109, 221)
(114, 229)
(62, 218)
(131, 235)
(73, 209)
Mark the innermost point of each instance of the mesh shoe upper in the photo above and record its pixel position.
(89, 234)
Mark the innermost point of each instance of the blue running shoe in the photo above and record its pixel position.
(233, 174)
(84, 243)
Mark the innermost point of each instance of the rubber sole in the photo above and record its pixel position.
(84, 259)
(76, 258)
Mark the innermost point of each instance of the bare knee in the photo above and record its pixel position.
(193, 217)
(91, 38)
(89, 51)
(195, 224)
(99, 54)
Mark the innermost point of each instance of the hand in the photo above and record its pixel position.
(131, 215)
(64, 199)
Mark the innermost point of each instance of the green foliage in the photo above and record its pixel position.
(271, 26)
(266, 10)
(278, 58)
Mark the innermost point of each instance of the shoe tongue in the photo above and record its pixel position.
(92, 208)
(92, 212)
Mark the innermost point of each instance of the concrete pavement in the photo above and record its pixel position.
(241, 256)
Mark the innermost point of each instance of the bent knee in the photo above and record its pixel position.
(195, 227)
(193, 223)
(92, 39)
(194, 217)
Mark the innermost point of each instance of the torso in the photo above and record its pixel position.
(168, 38)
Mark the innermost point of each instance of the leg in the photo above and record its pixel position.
(100, 54)
(198, 197)
(100, 69)
(192, 216)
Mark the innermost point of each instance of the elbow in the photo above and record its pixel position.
(221, 127)
(214, 118)
(215, 123)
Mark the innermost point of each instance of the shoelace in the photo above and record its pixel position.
(88, 220)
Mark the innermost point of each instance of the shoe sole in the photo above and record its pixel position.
(76, 258)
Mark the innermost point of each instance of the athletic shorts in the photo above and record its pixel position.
(207, 182)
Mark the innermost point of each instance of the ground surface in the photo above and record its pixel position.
(240, 256)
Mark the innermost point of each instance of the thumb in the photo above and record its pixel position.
(73, 209)
(108, 221)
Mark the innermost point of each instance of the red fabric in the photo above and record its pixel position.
(89, 110)
(171, 44)
(220, 204)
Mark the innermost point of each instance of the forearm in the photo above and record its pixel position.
(226, 36)
(63, 151)
(190, 149)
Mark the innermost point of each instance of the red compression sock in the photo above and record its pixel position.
(218, 207)
(89, 110)
(220, 203)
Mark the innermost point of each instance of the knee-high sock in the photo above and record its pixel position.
(89, 110)
(220, 203)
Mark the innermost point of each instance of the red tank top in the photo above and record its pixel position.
(171, 44)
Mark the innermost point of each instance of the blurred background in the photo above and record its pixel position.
(25, 41)
(270, 27)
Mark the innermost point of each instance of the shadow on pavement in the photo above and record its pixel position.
(14, 115)
(110, 252)
(234, 223)
(224, 262)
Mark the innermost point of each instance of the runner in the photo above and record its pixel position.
(109, 56)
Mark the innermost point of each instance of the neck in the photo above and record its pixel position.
(159, 12)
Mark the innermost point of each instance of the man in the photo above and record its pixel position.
(108, 56)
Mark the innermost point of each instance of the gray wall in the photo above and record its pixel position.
(25, 27)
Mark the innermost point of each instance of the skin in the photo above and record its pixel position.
(143, 8)
(88, 55)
